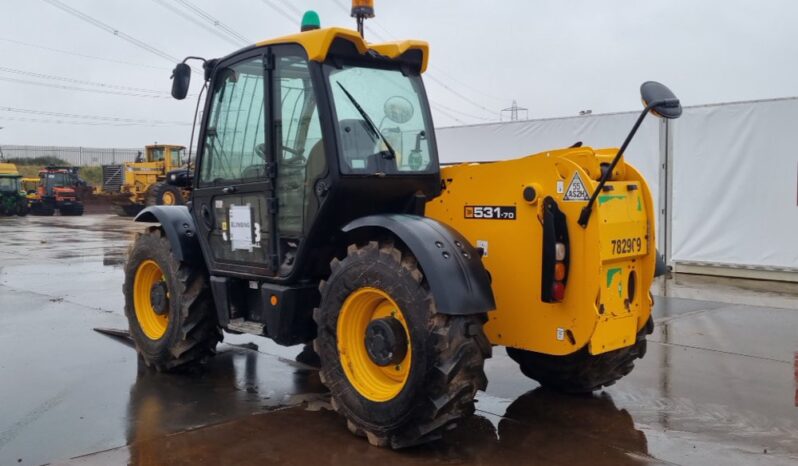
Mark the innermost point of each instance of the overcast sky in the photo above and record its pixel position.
(554, 57)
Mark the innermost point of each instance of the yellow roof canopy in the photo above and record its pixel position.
(317, 44)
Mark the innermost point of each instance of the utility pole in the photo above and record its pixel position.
(514, 110)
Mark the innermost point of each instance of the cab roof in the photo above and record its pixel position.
(317, 44)
(8, 169)
(164, 146)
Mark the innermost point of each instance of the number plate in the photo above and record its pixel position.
(627, 246)
(489, 212)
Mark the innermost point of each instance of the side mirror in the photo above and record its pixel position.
(181, 78)
(661, 100)
(398, 109)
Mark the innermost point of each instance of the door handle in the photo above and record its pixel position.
(229, 189)
(206, 216)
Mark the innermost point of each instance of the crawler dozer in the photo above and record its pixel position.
(143, 182)
(320, 215)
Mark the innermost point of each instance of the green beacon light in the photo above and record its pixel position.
(310, 21)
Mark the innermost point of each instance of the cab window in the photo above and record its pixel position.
(300, 157)
(235, 138)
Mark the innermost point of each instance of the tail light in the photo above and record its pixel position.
(555, 257)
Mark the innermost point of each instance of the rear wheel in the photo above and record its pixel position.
(398, 371)
(40, 208)
(164, 194)
(168, 305)
(73, 210)
(581, 372)
(22, 208)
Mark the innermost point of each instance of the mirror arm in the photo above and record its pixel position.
(584, 216)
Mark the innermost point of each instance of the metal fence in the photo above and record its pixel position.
(79, 156)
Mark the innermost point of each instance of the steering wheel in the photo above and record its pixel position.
(260, 150)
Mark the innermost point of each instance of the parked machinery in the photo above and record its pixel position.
(319, 212)
(142, 182)
(13, 200)
(60, 189)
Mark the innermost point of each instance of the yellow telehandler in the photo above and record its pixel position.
(320, 213)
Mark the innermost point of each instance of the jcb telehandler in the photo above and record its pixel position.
(319, 212)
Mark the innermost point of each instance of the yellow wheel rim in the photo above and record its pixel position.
(168, 198)
(376, 383)
(152, 324)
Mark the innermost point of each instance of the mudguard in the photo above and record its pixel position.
(453, 267)
(180, 230)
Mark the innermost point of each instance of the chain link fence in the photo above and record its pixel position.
(78, 156)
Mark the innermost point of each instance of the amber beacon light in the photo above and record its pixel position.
(362, 9)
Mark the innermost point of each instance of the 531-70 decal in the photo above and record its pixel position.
(489, 212)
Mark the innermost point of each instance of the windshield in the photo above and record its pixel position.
(58, 180)
(177, 157)
(383, 120)
(8, 185)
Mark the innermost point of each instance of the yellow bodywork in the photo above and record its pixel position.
(598, 309)
(141, 176)
(317, 44)
(8, 169)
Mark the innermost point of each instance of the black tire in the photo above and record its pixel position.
(448, 352)
(23, 208)
(74, 210)
(156, 193)
(42, 209)
(581, 372)
(192, 331)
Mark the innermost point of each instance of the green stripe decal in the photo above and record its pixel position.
(611, 273)
(608, 197)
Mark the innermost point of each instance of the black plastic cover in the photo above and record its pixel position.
(453, 267)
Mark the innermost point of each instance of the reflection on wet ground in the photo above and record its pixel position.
(718, 386)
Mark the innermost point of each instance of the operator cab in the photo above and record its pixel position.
(300, 136)
(172, 156)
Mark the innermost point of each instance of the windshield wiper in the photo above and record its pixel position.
(368, 120)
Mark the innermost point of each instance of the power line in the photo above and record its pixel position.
(92, 117)
(214, 21)
(470, 115)
(279, 10)
(112, 30)
(67, 52)
(192, 19)
(79, 81)
(66, 122)
(74, 88)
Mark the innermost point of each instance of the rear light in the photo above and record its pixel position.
(554, 260)
(559, 271)
(558, 291)
(559, 252)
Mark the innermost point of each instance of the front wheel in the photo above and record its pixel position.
(162, 193)
(168, 305)
(398, 371)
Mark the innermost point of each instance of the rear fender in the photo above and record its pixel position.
(180, 230)
(452, 266)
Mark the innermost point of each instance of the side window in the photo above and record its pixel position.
(300, 159)
(235, 141)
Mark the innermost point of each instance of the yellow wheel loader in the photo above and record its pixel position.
(319, 213)
(143, 182)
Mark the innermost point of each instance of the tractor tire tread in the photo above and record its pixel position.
(452, 379)
(581, 372)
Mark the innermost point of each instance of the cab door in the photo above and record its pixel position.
(233, 200)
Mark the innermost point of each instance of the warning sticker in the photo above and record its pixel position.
(576, 190)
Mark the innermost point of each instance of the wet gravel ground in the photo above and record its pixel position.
(718, 385)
